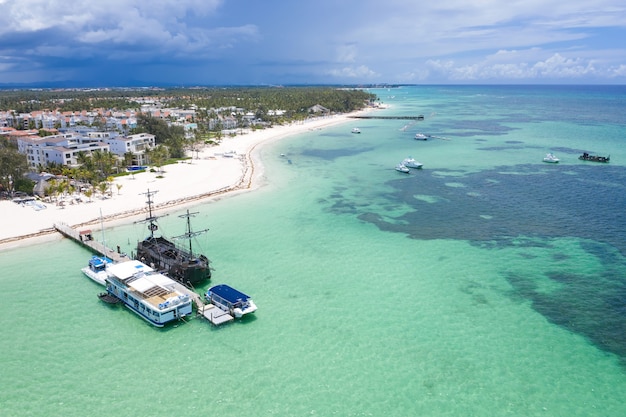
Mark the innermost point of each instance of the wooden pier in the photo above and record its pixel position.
(420, 117)
(215, 315)
(85, 239)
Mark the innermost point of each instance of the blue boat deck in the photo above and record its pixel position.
(229, 294)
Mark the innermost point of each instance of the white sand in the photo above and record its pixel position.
(207, 175)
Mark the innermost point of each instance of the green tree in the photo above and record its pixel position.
(13, 165)
(88, 193)
(103, 187)
(176, 142)
(158, 156)
(128, 158)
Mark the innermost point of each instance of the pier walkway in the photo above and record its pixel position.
(420, 117)
(85, 238)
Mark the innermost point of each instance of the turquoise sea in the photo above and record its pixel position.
(488, 283)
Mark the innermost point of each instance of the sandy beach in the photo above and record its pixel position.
(208, 175)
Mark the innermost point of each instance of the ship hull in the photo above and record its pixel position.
(162, 255)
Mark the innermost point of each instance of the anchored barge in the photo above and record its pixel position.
(594, 158)
(149, 294)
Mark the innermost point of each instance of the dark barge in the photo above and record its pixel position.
(594, 158)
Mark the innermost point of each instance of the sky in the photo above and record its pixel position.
(108, 43)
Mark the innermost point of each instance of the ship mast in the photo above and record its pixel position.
(189, 233)
(150, 219)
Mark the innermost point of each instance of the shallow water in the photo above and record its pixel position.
(487, 283)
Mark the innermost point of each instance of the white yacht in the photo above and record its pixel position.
(422, 136)
(412, 163)
(402, 168)
(356, 130)
(551, 158)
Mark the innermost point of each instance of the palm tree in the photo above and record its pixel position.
(51, 188)
(84, 159)
(128, 158)
(97, 157)
(88, 193)
(109, 181)
(158, 155)
(102, 187)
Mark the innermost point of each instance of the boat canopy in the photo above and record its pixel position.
(99, 262)
(125, 270)
(146, 282)
(228, 293)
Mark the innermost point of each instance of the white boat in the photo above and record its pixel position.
(152, 296)
(356, 130)
(551, 158)
(230, 300)
(421, 136)
(97, 269)
(402, 168)
(412, 163)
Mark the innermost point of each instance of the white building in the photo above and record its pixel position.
(136, 144)
(60, 149)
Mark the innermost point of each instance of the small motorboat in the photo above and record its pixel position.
(550, 158)
(402, 168)
(422, 136)
(412, 163)
(356, 130)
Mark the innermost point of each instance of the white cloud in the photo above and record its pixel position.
(360, 72)
(448, 40)
(32, 15)
(128, 22)
(620, 71)
(554, 67)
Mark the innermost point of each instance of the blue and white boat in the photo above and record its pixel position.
(152, 296)
(97, 269)
(228, 299)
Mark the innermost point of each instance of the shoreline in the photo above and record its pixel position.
(208, 170)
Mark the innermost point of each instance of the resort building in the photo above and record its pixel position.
(64, 148)
(136, 144)
(59, 149)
